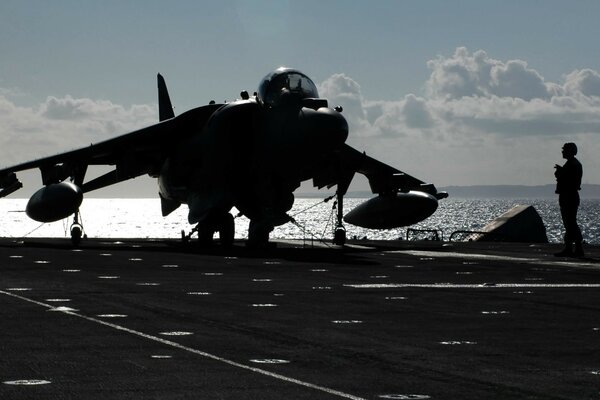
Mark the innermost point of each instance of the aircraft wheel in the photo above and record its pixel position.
(339, 237)
(205, 236)
(76, 233)
(227, 230)
(258, 235)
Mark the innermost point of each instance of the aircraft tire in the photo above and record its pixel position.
(339, 237)
(258, 235)
(227, 230)
(205, 236)
(76, 233)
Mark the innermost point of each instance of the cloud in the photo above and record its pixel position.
(476, 93)
(340, 89)
(511, 99)
(374, 118)
(62, 124)
(477, 112)
(416, 113)
(585, 82)
(466, 75)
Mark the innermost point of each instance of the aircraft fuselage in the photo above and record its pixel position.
(252, 158)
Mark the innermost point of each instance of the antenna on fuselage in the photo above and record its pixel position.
(165, 109)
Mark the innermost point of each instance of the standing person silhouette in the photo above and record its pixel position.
(568, 184)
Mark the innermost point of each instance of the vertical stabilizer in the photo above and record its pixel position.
(165, 109)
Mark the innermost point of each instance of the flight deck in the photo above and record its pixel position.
(154, 319)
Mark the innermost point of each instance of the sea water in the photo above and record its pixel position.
(314, 219)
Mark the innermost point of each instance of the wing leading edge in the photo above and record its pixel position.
(383, 178)
(133, 154)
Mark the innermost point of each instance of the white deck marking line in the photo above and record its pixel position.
(194, 351)
(576, 263)
(472, 286)
(453, 254)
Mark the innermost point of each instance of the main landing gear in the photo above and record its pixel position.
(224, 225)
(258, 234)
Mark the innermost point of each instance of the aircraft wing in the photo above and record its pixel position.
(382, 178)
(133, 154)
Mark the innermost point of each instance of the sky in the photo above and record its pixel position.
(452, 92)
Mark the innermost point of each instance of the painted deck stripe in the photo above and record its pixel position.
(577, 263)
(472, 286)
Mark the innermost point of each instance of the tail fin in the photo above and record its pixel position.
(165, 109)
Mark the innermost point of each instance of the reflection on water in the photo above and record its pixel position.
(141, 218)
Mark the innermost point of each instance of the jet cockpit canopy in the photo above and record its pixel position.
(285, 86)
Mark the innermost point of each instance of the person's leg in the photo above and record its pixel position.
(565, 213)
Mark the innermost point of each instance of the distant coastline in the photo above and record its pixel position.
(515, 191)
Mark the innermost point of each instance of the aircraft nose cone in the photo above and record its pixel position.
(324, 127)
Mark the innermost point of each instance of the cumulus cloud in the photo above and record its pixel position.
(585, 82)
(416, 114)
(474, 92)
(375, 118)
(62, 124)
(476, 112)
(477, 74)
(340, 89)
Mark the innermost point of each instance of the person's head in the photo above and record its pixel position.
(569, 150)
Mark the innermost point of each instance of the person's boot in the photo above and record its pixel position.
(578, 250)
(567, 252)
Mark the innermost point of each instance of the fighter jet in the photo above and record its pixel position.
(251, 154)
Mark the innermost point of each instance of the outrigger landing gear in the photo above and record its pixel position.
(76, 230)
(339, 236)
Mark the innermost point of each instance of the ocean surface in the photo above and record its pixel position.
(141, 218)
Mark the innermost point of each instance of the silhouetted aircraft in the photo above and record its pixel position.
(250, 154)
